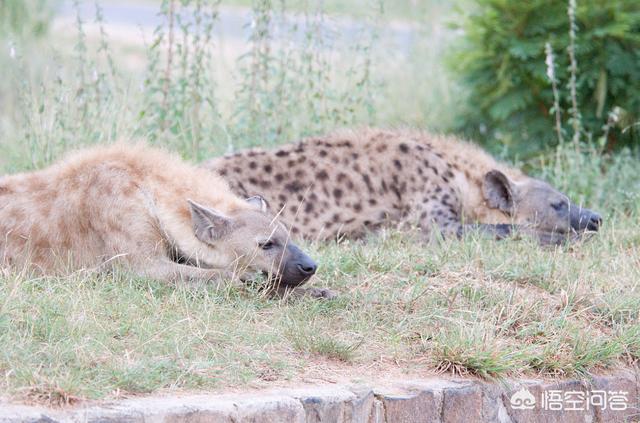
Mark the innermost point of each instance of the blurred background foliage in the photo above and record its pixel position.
(501, 60)
(473, 67)
(25, 17)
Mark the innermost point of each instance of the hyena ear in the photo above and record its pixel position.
(258, 203)
(208, 224)
(498, 191)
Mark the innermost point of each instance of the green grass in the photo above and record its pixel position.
(466, 307)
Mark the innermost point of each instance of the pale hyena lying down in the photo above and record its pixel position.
(144, 210)
(349, 182)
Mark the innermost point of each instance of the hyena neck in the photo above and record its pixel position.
(468, 181)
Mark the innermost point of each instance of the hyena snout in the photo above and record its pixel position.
(307, 267)
(297, 267)
(586, 220)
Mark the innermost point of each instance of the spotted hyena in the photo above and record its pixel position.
(143, 209)
(348, 182)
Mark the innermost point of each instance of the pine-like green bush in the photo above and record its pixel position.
(502, 60)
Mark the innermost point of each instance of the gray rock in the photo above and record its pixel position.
(542, 413)
(377, 412)
(270, 409)
(25, 414)
(420, 405)
(622, 382)
(336, 404)
(182, 409)
(462, 405)
(431, 400)
(493, 408)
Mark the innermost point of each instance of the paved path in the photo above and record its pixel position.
(234, 24)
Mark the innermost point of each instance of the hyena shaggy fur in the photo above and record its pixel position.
(143, 209)
(349, 182)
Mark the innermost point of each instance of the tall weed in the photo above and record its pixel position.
(180, 107)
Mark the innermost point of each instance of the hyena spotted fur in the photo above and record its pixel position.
(349, 182)
(146, 210)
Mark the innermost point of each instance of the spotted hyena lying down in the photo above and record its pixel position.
(351, 181)
(143, 209)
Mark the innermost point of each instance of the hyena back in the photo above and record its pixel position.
(349, 182)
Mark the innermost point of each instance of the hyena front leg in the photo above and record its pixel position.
(556, 238)
(446, 221)
(169, 271)
(322, 293)
(437, 220)
(497, 231)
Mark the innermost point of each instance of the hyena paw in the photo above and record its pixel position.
(323, 293)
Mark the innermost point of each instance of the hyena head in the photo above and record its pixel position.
(536, 204)
(256, 239)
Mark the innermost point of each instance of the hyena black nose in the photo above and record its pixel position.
(307, 268)
(594, 222)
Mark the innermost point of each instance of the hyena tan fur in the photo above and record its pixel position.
(143, 209)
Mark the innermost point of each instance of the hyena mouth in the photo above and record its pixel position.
(261, 280)
(272, 278)
(178, 256)
(279, 280)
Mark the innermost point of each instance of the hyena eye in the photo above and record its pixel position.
(267, 245)
(559, 206)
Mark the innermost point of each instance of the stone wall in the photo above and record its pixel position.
(613, 398)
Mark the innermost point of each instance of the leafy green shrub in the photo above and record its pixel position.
(502, 60)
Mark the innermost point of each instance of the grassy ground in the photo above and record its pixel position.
(472, 307)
